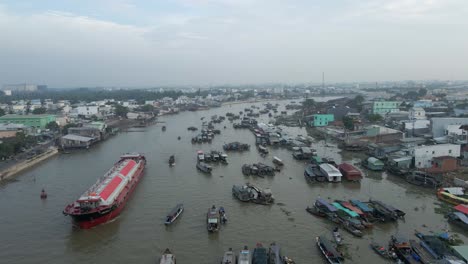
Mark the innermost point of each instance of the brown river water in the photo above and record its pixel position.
(35, 231)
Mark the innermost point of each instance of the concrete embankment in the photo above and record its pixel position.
(21, 166)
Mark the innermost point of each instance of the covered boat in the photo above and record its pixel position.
(105, 200)
(453, 195)
(242, 192)
(212, 218)
(402, 248)
(331, 172)
(382, 251)
(274, 256)
(229, 257)
(167, 257)
(337, 236)
(203, 167)
(458, 218)
(350, 172)
(172, 160)
(328, 251)
(200, 156)
(423, 179)
(278, 161)
(373, 164)
(259, 255)
(174, 214)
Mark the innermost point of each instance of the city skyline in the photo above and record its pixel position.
(207, 42)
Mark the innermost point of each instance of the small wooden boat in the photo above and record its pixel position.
(274, 256)
(337, 236)
(222, 214)
(229, 257)
(167, 257)
(244, 256)
(382, 251)
(259, 255)
(163, 128)
(203, 167)
(178, 138)
(277, 161)
(354, 231)
(172, 160)
(212, 218)
(328, 251)
(43, 194)
(174, 214)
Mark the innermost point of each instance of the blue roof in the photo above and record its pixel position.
(327, 205)
(362, 206)
(346, 210)
(462, 217)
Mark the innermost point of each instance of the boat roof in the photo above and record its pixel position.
(276, 158)
(328, 246)
(351, 207)
(348, 168)
(454, 190)
(375, 161)
(349, 212)
(362, 206)
(327, 205)
(462, 208)
(462, 217)
(330, 169)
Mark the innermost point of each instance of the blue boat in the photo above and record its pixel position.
(324, 205)
(362, 206)
(346, 210)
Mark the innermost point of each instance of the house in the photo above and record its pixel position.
(87, 110)
(75, 141)
(378, 134)
(340, 111)
(424, 155)
(10, 130)
(320, 120)
(443, 164)
(417, 113)
(384, 107)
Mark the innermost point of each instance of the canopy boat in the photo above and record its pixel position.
(351, 229)
(337, 236)
(277, 161)
(212, 218)
(453, 195)
(172, 160)
(167, 257)
(368, 212)
(174, 214)
(203, 167)
(229, 257)
(222, 214)
(259, 255)
(200, 156)
(328, 251)
(244, 256)
(402, 248)
(459, 217)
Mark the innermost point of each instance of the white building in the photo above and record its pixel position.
(87, 110)
(423, 155)
(417, 113)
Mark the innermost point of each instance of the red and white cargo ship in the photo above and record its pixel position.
(105, 200)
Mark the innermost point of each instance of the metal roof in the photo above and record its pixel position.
(77, 138)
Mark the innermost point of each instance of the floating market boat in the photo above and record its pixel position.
(212, 218)
(350, 172)
(277, 161)
(337, 236)
(251, 193)
(222, 214)
(174, 214)
(105, 200)
(259, 255)
(373, 164)
(229, 257)
(244, 256)
(402, 249)
(274, 256)
(200, 156)
(328, 251)
(167, 257)
(382, 251)
(172, 160)
(453, 195)
(203, 167)
(423, 179)
(351, 229)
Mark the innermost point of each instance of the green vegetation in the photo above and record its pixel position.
(374, 117)
(121, 110)
(39, 111)
(12, 146)
(348, 122)
(67, 126)
(147, 108)
(2, 112)
(53, 126)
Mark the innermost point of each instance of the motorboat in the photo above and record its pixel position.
(212, 218)
(167, 257)
(172, 160)
(174, 214)
(337, 236)
(259, 255)
(203, 167)
(328, 251)
(274, 256)
(229, 257)
(244, 256)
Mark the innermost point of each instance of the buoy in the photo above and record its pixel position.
(43, 194)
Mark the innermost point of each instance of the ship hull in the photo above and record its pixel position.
(86, 221)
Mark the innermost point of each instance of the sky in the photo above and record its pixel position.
(138, 43)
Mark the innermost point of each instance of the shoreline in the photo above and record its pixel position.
(12, 171)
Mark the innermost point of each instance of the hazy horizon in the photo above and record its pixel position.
(128, 43)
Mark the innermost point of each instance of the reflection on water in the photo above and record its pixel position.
(139, 235)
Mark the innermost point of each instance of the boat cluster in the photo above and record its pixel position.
(236, 146)
(321, 170)
(254, 194)
(214, 218)
(212, 156)
(206, 136)
(354, 215)
(260, 255)
(258, 169)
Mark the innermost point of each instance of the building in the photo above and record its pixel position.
(10, 130)
(320, 120)
(24, 87)
(384, 107)
(87, 110)
(340, 111)
(424, 155)
(33, 121)
(417, 113)
(439, 124)
(75, 141)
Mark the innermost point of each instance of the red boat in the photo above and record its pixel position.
(105, 200)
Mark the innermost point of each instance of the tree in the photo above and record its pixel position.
(67, 126)
(308, 103)
(348, 122)
(52, 126)
(422, 92)
(147, 108)
(121, 110)
(374, 117)
(38, 111)
(2, 112)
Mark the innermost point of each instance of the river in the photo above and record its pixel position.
(35, 231)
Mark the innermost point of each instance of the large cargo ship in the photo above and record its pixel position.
(105, 200)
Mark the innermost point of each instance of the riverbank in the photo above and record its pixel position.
(21, 166)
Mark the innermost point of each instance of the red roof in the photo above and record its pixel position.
(462, 208)
(109, 189)
(128, 167)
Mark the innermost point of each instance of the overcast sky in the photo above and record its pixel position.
(69, 43)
